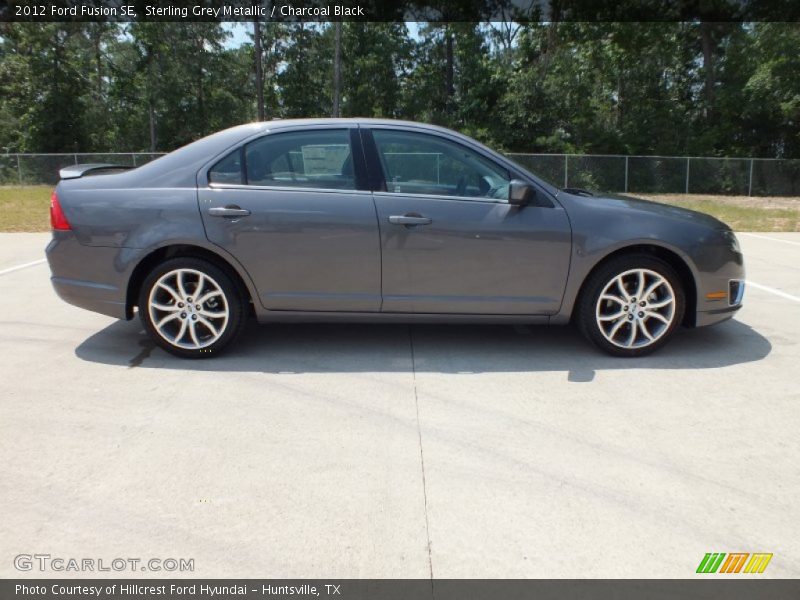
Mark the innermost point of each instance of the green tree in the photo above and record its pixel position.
(700, 88)
(45, 87)
(305, 83)
(182, 81)
(770, 122)
(374, 60)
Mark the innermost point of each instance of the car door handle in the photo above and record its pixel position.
(228, 211)
(410, 220)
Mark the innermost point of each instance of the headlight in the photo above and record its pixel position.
(734, 243)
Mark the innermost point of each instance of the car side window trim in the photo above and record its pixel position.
(378, 181)
(470, 199)
(278, 188)
(379, 169)
(242, 162)
(360, 176)
(360, 170)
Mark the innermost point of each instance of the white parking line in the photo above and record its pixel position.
(772, 239)
(25, 266)
(765, 288)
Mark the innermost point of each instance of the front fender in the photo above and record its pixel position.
(602, 229)
(584, 261)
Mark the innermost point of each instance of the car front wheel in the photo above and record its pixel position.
(191, 308)
(631, 305)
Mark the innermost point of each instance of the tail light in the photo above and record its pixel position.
(58, 220)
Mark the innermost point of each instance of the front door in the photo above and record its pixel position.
(450, 241)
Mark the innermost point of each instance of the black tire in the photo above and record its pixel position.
(216, 280)
(587, 309)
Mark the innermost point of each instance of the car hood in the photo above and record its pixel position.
(632, 205)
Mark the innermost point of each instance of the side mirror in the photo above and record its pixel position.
(520, 193)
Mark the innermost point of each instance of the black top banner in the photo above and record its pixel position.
(398, 10)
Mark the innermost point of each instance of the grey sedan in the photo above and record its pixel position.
(377, 220)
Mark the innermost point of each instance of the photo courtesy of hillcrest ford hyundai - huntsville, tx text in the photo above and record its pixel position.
(377, 221)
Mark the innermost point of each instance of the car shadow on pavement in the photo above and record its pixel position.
(331, 348)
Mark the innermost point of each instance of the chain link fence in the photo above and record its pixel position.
(667, 174)
(606, 173)
(37, 169)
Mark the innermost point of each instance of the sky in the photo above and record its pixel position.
(240, 32)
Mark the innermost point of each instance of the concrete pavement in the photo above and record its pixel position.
(395, 451)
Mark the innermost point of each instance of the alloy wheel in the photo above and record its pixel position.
(635, 308)
(188, 309)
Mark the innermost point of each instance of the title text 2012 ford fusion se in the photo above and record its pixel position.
(377, 220)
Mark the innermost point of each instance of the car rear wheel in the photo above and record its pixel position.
(631, 305)
(191, 308)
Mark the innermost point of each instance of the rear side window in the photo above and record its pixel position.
(305, 159)
(228, 170)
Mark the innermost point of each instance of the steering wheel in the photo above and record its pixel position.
(485, 187)
(461, 187)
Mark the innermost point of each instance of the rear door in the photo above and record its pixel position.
(293, 207)
(451, 242)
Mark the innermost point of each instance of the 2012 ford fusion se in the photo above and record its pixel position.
(377, 220)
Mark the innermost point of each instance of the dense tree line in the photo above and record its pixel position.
(629, 88)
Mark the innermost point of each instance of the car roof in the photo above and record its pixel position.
(346, 121)
(180, 167)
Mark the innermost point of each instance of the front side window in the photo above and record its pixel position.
(311, 159)
(418, 163)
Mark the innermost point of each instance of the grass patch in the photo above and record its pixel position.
(742, 213)
(25, 208)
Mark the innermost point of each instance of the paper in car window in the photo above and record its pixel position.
(325, 159)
